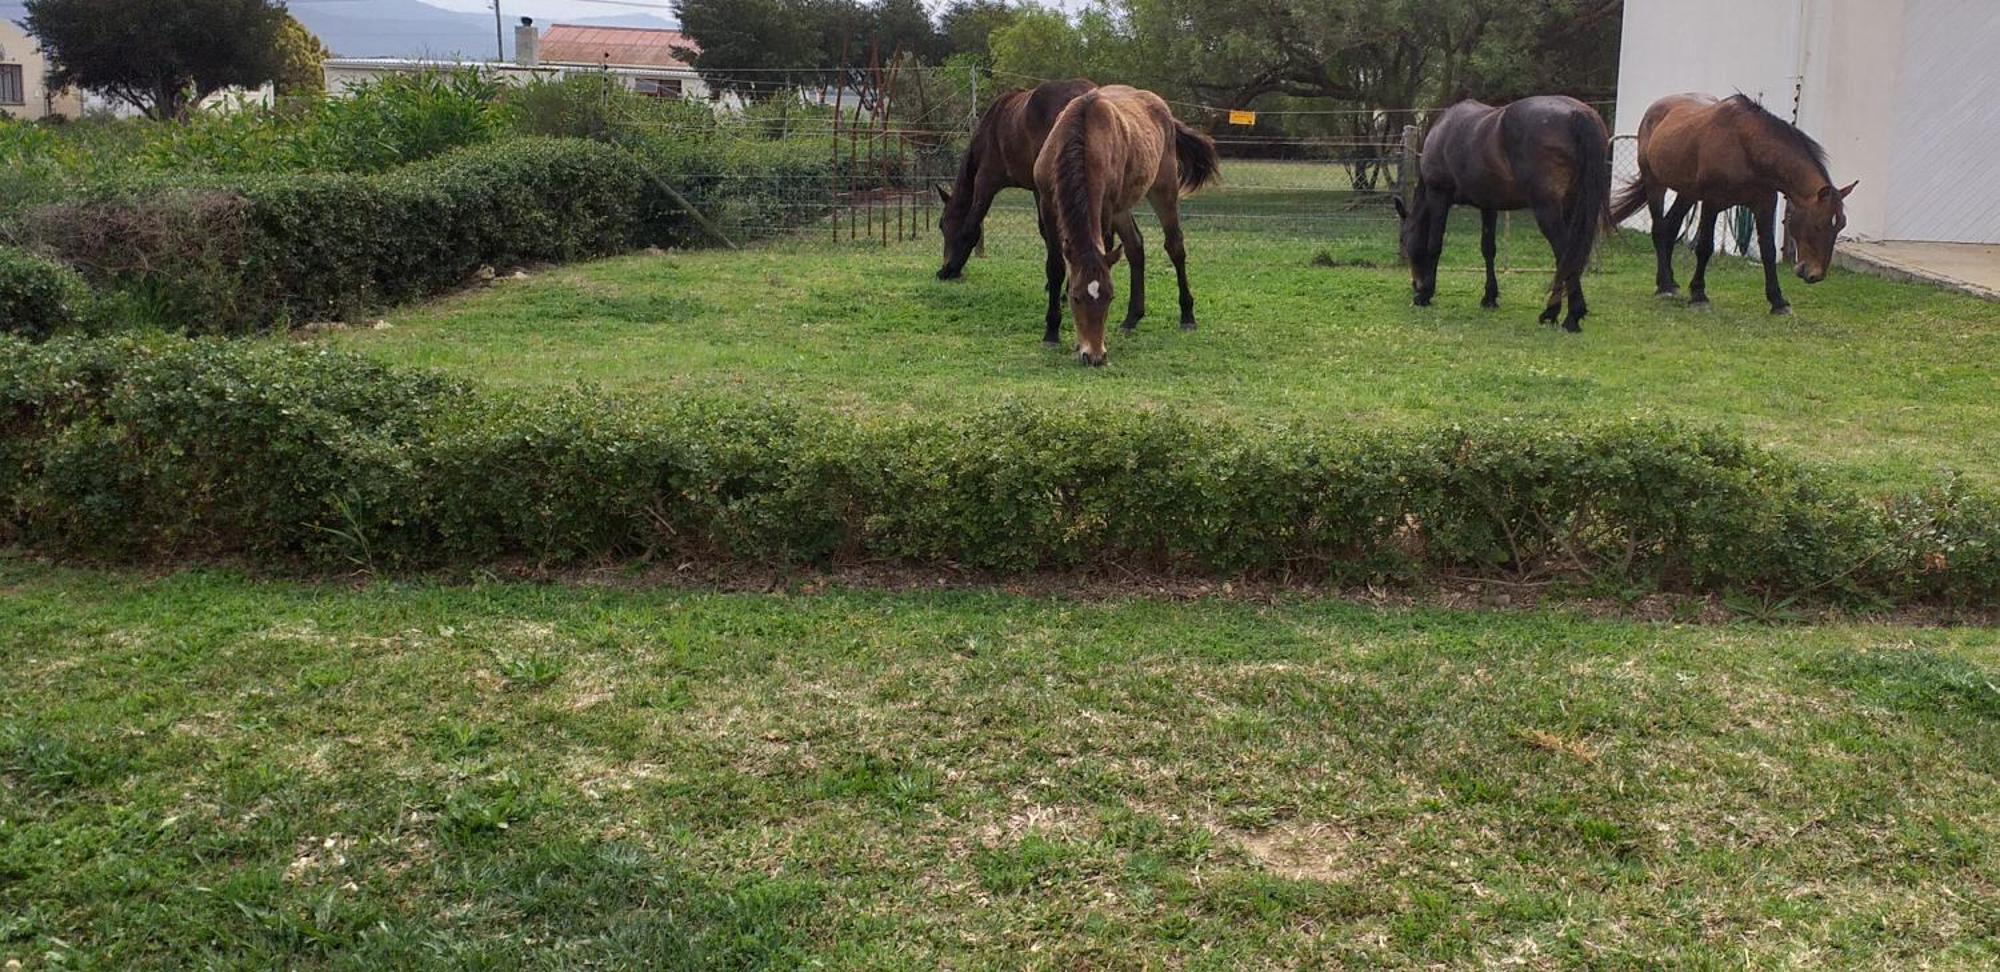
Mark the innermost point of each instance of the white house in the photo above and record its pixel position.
(24, 92)
(1901, 92)
(644, 60)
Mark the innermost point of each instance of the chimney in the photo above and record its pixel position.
(527, 44)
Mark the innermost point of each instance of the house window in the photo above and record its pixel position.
(658, 87)
(12, 92)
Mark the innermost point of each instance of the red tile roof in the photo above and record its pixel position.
(616, 46)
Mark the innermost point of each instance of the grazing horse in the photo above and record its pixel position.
(1002, 156)
(1110, 148)
(1550, 154)
(1727, 153)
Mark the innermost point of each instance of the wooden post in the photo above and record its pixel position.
(1406, 169)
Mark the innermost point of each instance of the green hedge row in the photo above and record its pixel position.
(248, 252)
(39, 297)
(124, 448)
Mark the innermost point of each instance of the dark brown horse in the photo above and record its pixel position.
(1549, 154)
(1733, 153)
(1002, 156)
(1108, 149)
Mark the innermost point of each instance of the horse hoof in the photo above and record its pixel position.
(1548, 316)
(1188, 325)
(1051, 343)
(1700, 304)
(1490, 303)
(1667, 293)
(1423, 302)
(1089, 362)
(1782, 310)
(1573, 327)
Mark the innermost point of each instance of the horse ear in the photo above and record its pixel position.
(1402, 211)
(1844, 193)
(943, 194)
(1111, 258)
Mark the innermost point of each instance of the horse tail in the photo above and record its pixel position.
(1195, 152)
(1592, 212)
(1630, 199)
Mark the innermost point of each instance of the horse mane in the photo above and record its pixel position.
(1786, 132)
(984, 140)
(1074, 201)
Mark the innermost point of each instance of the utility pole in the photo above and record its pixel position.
(499, 35)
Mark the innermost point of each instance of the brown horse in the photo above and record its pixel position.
(1727, 153)
(1108, 149)
(1550, 154)
(1002, 156)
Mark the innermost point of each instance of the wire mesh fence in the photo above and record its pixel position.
(874, 145)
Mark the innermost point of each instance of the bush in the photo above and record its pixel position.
(38, 297)
(130, 448)
(230, 256)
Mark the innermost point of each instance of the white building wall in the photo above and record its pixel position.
(19, 49)
(1942, 143)
(1899, 91)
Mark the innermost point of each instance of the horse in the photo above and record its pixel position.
(1732, 152)
(1108, 149)
(1550, 154)
(1001, 156)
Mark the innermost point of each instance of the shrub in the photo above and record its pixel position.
(171, 448)
(38, 297)
(234, 255)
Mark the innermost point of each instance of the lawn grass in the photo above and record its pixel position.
(199, 769)
(1896, 381)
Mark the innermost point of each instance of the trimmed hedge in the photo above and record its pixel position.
(38, 297)
(253, 252)
(237, 254)
(130, 448)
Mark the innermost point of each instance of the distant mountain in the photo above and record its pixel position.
(402, 28)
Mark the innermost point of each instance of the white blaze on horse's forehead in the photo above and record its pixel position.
(1093, 289)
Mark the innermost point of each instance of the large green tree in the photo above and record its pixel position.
(301, 56)
(1387, 53)
(766, 46)
(160, 56)
(968, 25)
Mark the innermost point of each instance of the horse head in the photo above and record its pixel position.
(1815, 223)
(961, 234)
(1417, 249)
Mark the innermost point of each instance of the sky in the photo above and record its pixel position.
(553, 10)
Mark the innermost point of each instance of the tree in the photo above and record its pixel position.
(904, 25)
(766, 46)
(160, 56)
(746, 44)
(300, 55)
(1395, 54)
(968, 25)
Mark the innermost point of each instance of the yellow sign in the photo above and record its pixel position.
(1245, 118)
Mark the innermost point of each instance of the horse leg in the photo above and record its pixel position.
(1488, 222)
(1135, 251)
(1052, 240)
(1424, 259)
(1578, 309)
(1167, 206)
(1704, 247)
(1666, 232)
(1548, 215)
(1767, 248)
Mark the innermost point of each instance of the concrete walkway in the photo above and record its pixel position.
(1972, 268)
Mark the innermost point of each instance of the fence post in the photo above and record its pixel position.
(1406, 168)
